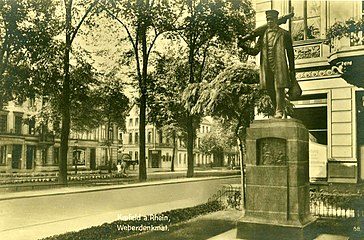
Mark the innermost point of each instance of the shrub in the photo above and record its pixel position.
(112, 230)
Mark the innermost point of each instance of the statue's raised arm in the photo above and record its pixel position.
(259, 31)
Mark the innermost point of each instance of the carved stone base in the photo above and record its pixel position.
(266, 231)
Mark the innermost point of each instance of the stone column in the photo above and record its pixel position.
(277, 182)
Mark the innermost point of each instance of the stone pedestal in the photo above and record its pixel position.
(277, 182)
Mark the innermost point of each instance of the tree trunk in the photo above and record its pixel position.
(190, 127)
(190, 140)
(174, 151)
(142, 164)
(65, 100)
(109, 160)
(143, 106)
(242, 172)
(108, 143)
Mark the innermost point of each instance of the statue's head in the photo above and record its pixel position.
(272, 18)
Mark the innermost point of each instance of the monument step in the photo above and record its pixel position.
(331, 237)
(231, 235)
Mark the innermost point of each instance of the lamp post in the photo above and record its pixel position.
(76, 157)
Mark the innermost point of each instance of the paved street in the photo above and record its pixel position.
(37, 214)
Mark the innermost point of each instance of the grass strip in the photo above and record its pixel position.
(154, 223)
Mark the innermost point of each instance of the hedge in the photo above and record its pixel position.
(156, 222)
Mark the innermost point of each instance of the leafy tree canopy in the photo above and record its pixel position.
(169, 80)
(27, 29)
(218, 140)
(233, 95)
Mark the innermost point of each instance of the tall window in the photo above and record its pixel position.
(104, 156)
(3, 123)
(136, 121)
(110, 135)
(306, 22)
(317, 126)
(130, 138)
(136, 156)
(93, 134)
(44, 155)
(103, 132)
(136, 138)
(31, 102)
(160, 137)
(149, 137)
(31, 124)
(56, 154)
(120, 136)
(2, 155)
(18, 124)
(130, 122)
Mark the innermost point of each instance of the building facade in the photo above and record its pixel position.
(331, 106)
(25, 146)
(159, 146)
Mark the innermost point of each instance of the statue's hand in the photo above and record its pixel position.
(243, 39)
(241, 43)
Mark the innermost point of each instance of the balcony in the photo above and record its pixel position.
(308, 49)
(311, 59)
(346, 50)
(347, 58)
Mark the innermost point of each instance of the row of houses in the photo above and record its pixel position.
(160, 147)
(23, 149)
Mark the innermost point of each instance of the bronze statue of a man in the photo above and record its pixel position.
(276, 73)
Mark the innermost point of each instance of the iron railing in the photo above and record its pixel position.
(336, 205)
(322, 204)
(229, 197)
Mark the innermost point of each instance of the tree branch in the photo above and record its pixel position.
(137, 56)
(123, 24)
(153, 41)
(83, 19)
(203, 60)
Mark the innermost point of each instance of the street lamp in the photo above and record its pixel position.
(76, 157)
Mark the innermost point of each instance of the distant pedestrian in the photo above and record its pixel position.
(119, 167)
(124, 166)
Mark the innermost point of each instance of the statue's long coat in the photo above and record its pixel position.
(283, 59)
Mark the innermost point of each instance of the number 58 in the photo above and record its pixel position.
(356, 228)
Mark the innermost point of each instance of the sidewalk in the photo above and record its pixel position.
(80, 189)
(154, 174)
